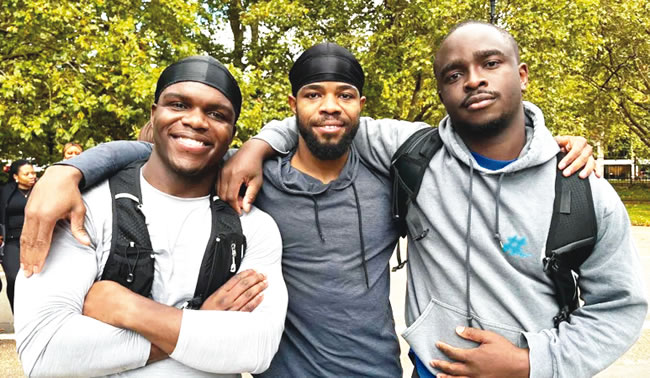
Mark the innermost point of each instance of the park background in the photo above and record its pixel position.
(86, 71)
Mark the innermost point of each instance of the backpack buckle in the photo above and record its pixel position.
(561, 316)
(550, 262)
(193, 304)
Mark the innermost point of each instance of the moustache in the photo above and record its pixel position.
(467, 101)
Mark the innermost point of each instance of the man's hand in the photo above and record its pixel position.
(495, 357)
(579, 154)
(242, 292)
(243, 168)
(55, 196)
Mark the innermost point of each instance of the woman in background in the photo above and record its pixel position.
(71, 150)
(13, 199)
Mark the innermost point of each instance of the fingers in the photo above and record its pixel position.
(252, 189)
(474, 334)
(453, 353)
(230, 284)
(590, 166)
(35, 242)
(77, 224)
(239, 293)
(579, 153)
(455, 369)
(252, 305)
(249, 298)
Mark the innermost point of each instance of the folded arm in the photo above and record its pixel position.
(53, 338)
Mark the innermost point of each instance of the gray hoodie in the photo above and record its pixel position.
(337, 239)
(463, 207)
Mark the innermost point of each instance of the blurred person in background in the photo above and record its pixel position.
(71, 150)
(13, 198)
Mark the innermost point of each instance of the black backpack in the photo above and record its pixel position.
(571, 237)
(131, 259)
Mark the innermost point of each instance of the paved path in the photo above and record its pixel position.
(635, 363)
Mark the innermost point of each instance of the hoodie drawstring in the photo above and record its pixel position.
(468, 268)
(497, 200)
(320, 230)
(363, 247)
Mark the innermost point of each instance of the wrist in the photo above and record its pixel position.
(522, 362)
(68, 172)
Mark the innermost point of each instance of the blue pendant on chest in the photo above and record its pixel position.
(514, 246)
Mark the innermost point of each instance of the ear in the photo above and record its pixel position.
(362, 102)
(15, 177)
(523, 76)
(292, 103)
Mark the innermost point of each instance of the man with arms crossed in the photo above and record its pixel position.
(334, 216)
(70, 324)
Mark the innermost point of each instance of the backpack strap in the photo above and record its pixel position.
(407, 168)
(131, 259)
(223, 254)
(571, 239)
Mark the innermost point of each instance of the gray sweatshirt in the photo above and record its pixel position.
(508, 292)
(337, 241)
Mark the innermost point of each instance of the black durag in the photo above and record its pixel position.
(326, 62)
(205, 70)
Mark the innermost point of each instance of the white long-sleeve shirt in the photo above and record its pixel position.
(55, 339)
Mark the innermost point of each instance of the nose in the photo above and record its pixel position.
(475, 80)
(195, 118)
(330, 104)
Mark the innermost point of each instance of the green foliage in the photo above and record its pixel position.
(86, 71)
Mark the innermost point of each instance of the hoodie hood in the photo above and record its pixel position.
(536, 151)
(282, 175)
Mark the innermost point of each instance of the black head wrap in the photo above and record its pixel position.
(202, 69)
(326, 62)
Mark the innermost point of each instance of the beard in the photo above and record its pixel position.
(486, 129)
(325, 150)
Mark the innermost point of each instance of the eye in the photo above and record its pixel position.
(492, 64)
(216, 115)
(452, 77)
(347, 96)
(312, 95)
(178, 105)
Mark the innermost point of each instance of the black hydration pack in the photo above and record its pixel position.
(571, 237)
(131, 259)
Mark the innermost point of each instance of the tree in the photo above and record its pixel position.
(83, 71)
(87, 71)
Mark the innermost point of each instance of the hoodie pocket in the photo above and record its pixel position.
(438, 322)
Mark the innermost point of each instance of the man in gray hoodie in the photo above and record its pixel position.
(333, 212)
(492, 184)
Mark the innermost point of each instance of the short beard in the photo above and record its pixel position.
(480, 131)
(326, 151)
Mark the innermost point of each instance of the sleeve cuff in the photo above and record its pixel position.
(540, 358)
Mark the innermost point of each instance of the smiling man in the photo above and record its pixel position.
(75, 319)
(333, 211)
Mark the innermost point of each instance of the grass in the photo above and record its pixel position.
(636, 198)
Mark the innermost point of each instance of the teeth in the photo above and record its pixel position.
(330, 127)
(190, 142)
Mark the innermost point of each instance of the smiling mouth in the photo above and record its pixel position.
(189, 142)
